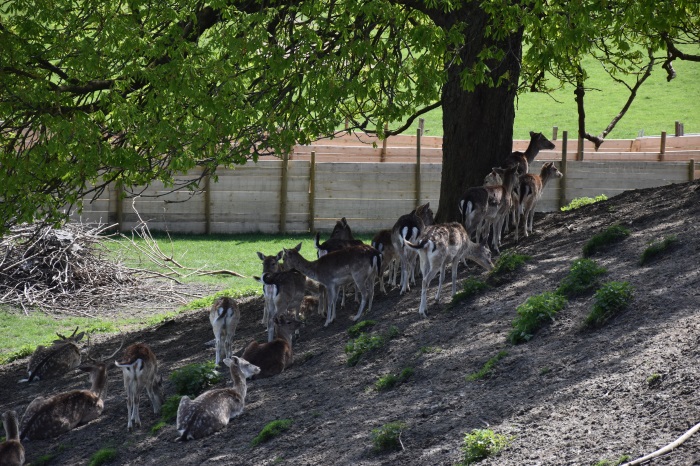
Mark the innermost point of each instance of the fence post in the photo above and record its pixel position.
(555, 130)
(312, 192)
(418, 135)
(662, 150)
(382, 154)
(691, 170)
(207, 204)
(562, 181)
(579, 151)
(283, 194)
(678, 128)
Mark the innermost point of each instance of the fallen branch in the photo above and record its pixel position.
(667, 448)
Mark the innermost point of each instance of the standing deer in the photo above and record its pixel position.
(531, 188)
(11, 450)
(212, 410)
(59, 358)
(409, 227)
(224, 317)
(441, 245)
(274, 356)
(140, 370)
(284, 291)
(537, 143)
(382, 242)
(355, 264)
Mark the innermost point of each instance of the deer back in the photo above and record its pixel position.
(140, 368)
(58, 359)
(225, 313)
(273, 357)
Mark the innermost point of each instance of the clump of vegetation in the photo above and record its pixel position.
(23, 351)
(609, 300)
(389, 381)
(582, 201)
(429, 350)
(583, 276)
(611, 235)
(471, 287)
(653, 380)
(479, 444)
(487, 368)
(168, 411)
(657, 248)
(193, 379)
(533, 314)
(103, 456)
(361, 327)
(617, 462)
(508, 262)
(272, 430)
(43, 460)
(388, 437)
(366, 342)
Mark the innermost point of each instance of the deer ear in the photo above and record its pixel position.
(279, 255)
(345, 222)
(532, 134)
(297, 248)
(79, 336)
(261, 256)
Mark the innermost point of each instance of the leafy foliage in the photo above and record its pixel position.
(611, 235)
(471, 287)
(389, 381)
(610, 299)
(533, 314)
(479, 444)
(272, 430)
(365, 342)
(583, 276)
(657, 248)
(361, 327)
(195, 378)
(582, 201)
(387, 437)
(487, 368)
(168, 412)
(509, 262)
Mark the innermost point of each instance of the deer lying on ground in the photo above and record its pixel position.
(382, 242)
(48, 417)
(224, 317)
(441, 245)
(53, 361)
(275, 356)
(531, 188)
(140, 370)
(409, 227)
(11, 450)
(537, 143)
(284, 291)
(355, 264)
(212, 410)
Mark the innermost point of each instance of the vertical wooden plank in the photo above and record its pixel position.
(312, 192)
(283, 194)
(579, 151)
(562, 182)
(678, 128)
(207, 204)
(662, 149)
(418, 193)
(555, 130)
(691, 170)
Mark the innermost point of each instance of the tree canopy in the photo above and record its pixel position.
(96, 92)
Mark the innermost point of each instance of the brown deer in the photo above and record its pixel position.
(224, 317)
(212, 410)
(531, 188)
(11, 450)
(274, 356)
(441, 245)
(140, 370)
(284, 291)
(537, 143)
(56, 360)
(409, 227)
(382, 242)
(355, 264)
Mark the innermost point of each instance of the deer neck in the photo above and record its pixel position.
(305, 267)
(239, 384)
(11, 428)
(285, 334)
(99, 383)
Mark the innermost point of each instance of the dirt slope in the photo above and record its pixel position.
(567, 397)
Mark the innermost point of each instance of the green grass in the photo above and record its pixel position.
(272, 430)
(609, 300)
(508, 262)
(43, 460)
(603, 240)
(534, 314)
(470, 287)
(361, 327)
(579, 202)
(365, 343)
(617, 462)
(193, 379)
(657, 248)
(487, 368)
(390, 381)
(479, 444)
(103, 456)
(583, 277)
(387, 437)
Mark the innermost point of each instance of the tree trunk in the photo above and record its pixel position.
(477, 125)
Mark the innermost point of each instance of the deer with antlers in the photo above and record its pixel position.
(53, 361)
(11, 450)
(140, 370)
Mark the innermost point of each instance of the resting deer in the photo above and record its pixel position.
(224, 317)
(284, 291)
(537, 143)
(48, 417)
(140, 370)
(59, 358)
(356, 264)
(11, 450)
(441, 245)
(409, 227)
(274, 356)
(212, 410)
(531, 188)
(382, 242)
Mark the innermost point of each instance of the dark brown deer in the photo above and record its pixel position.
(382, 242)
(284, 291)
(537, 143)
(275, 356)
(56, 360)
(11, 450)
(409, 227)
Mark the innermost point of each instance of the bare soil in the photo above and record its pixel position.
(569, 396)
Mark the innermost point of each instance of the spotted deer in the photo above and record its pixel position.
(444, 244)
(382, 242)
(274, 356)
(140, 370)
(224, 317)
(355, 264)
(11, 450)
(212, 410)
(537, 143)
(284, 291)
(409, 227)
(58, 359)
(531, 188)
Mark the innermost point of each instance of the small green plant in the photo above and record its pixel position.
(657, 248)
(545, 371)
(168, 411)
(583, 276)
(103, 456)
(582, 201)
(193, 379)
(366, 342)
(157, 427)
(533, 314)
(43, 460)
(653, 380)
(428, 350)
(361, 327)
(611, 298)
(487, 368)
(479, 444)
(388, 437)
(617, 462)
(389, 381)
(611, 235)
(508, 262)
(272, 430)
(471, 287)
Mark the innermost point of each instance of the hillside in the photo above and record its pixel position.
(567, 397)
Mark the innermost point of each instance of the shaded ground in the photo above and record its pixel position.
(567, 397)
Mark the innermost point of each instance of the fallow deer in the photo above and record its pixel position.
(409, 228)
(11, 450)
(270, 264)
(224, 317)
(537, 143)
(441, 245)
(212, 410)
(59, 358)
(382, 242)
(140, 370)
(274, 356)
(284, 291)
(531, 188)
(355, 264)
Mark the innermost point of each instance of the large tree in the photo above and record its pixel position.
(96, 92)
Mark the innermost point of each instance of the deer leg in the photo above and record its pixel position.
(455, 265)
(427, 278)
(440, 280)
(129, 399)
(331, 298)
(155, 401)
(136, 394)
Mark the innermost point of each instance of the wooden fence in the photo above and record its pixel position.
(307, 193)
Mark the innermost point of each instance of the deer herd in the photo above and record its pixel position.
(292, 286)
